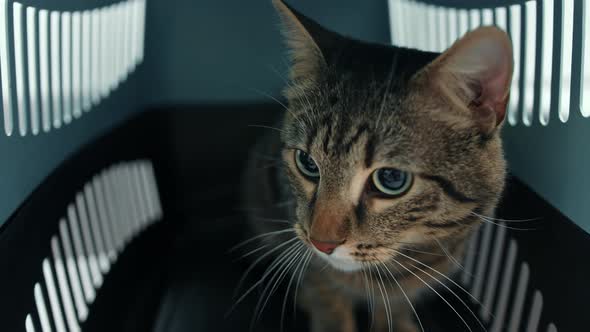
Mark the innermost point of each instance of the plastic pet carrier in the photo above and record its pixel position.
(126, 126)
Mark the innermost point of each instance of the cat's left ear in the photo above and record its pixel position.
(308, 42)
(475, 74)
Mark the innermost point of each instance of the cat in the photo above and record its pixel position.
(386, 160)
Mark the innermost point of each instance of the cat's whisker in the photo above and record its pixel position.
(278, 221)
(366, 286)
(485, 219)
(405, 295)
(448, 279)
(280, 103)
(436, 292)
(325, 267)
(422, 252)
(267, 127)
(251, 267)
(300, 278)
(277, 263)
(251, 252)
(385, 93)
(298, 266)
(454, 294)
(507, 220)
(262, 156)
(275, 280)
(448, 254)
(372, 294)
(243, 243)
(385, 296)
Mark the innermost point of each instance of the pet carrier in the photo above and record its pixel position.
(125, 131)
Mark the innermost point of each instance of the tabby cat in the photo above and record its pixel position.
(386, 160)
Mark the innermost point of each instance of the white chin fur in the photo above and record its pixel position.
(340, 261)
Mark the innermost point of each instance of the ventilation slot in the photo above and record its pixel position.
(5, 68)
(54, 19)
(32, 68)
(110, 210)
(567, 22)
(19, 64)
(70, 313)
(76, 65)
(44, 87)
(66, 53)
(80, 256)
(89, 245)
(546, 58)
(41, 309)
(29, 324)
(529, 36)
(515, 35)
(56, 65)
(585, 86)
(53, 297)
(482, 261)
(535, 315)
(494, 279)
(494, 273)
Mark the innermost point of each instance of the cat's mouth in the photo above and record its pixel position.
(346, 258)
(341, 259)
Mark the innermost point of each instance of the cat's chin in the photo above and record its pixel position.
(340, 262)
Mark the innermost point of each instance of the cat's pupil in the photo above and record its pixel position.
(308, 162)
(392, 178)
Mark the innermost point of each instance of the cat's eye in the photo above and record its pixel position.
(306, 165)
(391, 181)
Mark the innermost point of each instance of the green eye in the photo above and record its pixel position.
(391, 181)
(306, 165)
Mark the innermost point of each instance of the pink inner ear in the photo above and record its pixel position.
(494, 92)
(485, 56)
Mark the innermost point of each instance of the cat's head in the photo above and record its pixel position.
(387, 147)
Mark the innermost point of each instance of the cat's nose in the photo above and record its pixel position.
(325, 247)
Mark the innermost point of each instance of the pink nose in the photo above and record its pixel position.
(325, 247)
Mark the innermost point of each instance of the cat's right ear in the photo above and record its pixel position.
(307, 59)
(475, 74)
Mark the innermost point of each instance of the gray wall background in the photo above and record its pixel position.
(211, 51)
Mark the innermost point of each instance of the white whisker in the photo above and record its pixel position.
(405, 296)
(241, 244)
(435, 292)
(446, 278)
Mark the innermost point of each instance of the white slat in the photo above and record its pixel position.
(547, 62)
(44, 85)
(55, 68)
(585, 86)
(515, 35)
(518, 304)
(56, 312)
(41, 308)
(76, 65)
(5, 69)
(502, 303)
(60, 271)
(80, 256)
(86, 35)
(19, 66)
(567, 35)
(32, 68)
(535, 314)
(66, 66)
(530, 56)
